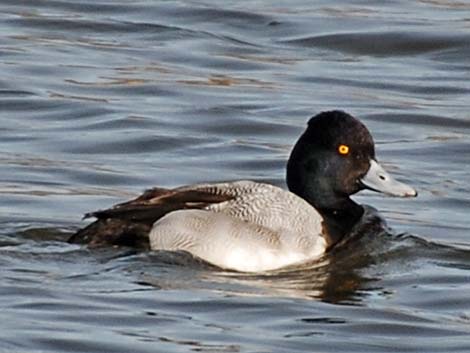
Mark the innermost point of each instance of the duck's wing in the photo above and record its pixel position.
(129, 223)
(155, 203)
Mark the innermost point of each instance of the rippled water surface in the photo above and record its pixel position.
(102, 99)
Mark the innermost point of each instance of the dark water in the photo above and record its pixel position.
(102, 99)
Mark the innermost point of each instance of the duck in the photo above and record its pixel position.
(251, 226)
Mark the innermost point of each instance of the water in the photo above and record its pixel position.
(102, 99)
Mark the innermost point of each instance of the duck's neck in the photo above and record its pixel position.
(339, 215)
(339, 220)
(339, 212)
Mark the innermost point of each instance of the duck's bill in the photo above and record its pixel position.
(377, 179)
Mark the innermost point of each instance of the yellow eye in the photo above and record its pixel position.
(343, 149)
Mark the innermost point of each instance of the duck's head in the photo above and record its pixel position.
(335, 158)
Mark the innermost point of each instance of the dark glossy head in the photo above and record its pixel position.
(335, 158)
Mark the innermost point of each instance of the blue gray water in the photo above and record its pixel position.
(102, 99)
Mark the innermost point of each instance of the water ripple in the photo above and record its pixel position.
(388, 44)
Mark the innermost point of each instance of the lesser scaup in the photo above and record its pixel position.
(251, 226)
